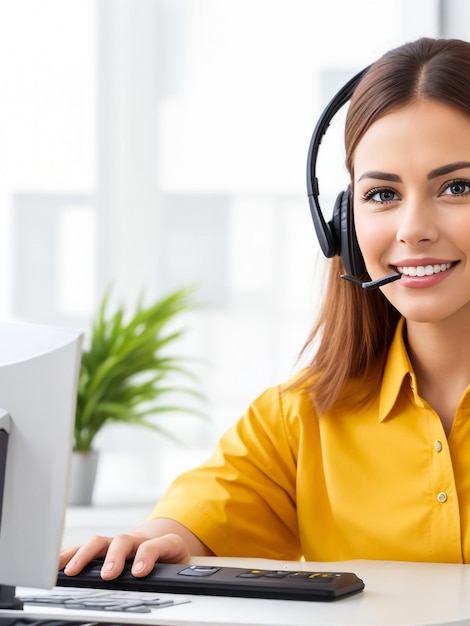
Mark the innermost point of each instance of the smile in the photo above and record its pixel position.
(424, 270)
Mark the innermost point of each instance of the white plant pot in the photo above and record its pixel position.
(83, 470)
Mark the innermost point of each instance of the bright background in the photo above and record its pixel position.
(152, 144)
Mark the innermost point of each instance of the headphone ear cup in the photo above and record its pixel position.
(345, 235)
(336, 223)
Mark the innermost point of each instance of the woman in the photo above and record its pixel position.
(366, 453)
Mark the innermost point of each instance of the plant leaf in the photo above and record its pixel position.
(128, 368)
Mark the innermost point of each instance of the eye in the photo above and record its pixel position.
(381, 195)
(456, 188)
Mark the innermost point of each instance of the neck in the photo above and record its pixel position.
(440, 355)
(441, 348)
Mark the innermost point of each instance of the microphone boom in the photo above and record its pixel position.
(372, 284)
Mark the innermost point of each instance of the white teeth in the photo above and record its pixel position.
(424, 270)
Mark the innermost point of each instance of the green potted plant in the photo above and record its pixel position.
(127, 372)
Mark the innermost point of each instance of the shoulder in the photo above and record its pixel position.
(274, 426)
(287, 404)
(298, 394)
(289, 395)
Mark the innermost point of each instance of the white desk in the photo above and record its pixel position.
(396, 594)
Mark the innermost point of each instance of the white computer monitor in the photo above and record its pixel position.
(39, 367)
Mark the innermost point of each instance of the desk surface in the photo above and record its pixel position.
(396, 594)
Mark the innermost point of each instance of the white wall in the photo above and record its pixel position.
(155, 143)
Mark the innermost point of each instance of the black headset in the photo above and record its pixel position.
(338, 236)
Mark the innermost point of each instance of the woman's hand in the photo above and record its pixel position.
(156, 540)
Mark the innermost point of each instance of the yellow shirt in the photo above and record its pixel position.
(380, 483)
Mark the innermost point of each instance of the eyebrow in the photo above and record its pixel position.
(447, 169)
(439, 171)
(394, 178)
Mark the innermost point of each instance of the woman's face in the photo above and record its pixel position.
(412, 208)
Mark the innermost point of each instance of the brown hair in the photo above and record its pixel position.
(355, 327)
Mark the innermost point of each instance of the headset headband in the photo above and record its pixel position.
(325, 231)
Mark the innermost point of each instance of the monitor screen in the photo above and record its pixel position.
(39, 368)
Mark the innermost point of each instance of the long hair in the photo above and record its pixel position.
(355, 327)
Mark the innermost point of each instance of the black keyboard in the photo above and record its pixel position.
(222, 581)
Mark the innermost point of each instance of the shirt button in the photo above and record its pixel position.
(442, 496)
(437, 446)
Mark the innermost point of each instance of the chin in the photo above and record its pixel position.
(422, 311)
(435, 314)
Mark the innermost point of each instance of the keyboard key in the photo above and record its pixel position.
(126, 601)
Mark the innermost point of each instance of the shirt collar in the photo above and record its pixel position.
(397, 368)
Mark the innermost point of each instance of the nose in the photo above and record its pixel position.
(417, 223)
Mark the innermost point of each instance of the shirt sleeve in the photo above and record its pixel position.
(242, 501)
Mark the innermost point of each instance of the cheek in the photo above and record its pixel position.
(373, 241)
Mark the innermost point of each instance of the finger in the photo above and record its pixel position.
(121, 548)
(66, 555)
(74, 560)
(168, 548)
